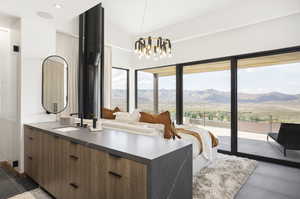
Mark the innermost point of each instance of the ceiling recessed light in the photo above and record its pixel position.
(45, 15)
(57, 6)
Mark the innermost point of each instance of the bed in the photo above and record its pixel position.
(200, 159)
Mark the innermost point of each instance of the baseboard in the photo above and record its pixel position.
(6, 165)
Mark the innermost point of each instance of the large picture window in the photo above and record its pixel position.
(241, 99)
(268, 95)
(119, 94)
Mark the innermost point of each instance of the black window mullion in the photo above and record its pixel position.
(136, 88)
(179, 94)
(234, 106)
(128, 91)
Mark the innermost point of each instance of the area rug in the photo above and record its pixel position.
(33, 194)
(220, 180)
(223, 178)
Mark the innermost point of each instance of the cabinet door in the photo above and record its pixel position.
(49, 163)
(28, 151)
(126, 179)
(64, 189)
(98, 174)
(76, 171)
(32, 148)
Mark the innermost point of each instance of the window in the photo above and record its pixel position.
(268, 95)
(157, 90)
(239, 98)
(120, 90)
(145, 91)
(206, 98)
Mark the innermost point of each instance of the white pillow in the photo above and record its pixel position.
(127, 117)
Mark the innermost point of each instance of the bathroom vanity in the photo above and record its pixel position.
(108, 164)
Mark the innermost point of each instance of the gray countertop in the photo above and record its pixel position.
(140, 148)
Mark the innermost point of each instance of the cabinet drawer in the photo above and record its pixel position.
(77, 167)
(118, 165)
(126, 178)
(75, 150)
(121, 187)
(28, 138)
(118, 187)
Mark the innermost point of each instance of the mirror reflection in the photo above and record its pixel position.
(55, 84)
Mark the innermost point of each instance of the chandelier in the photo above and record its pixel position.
(153, 46)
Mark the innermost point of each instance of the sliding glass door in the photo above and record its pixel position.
(206, 98)
(268, 95)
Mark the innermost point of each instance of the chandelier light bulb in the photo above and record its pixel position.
(151, 46)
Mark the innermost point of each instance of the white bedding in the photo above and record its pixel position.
(205, 137)
(199, 160)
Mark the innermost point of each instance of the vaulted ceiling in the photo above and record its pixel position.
(161, 15)
(177, 19)
(129, 14)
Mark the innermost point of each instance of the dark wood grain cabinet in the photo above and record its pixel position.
(70, 170)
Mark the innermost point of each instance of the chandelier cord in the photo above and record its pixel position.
(144, 15)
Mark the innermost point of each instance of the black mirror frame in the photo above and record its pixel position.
(67, 97)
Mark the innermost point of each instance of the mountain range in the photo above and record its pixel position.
(214, 96)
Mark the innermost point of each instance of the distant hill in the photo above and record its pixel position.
(213, 96)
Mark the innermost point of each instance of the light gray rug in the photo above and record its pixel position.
(223, 178)
(220, 180)
(33, 194)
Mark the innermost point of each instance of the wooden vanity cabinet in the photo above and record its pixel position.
(70, 170)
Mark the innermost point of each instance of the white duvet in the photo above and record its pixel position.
(158, 130)
(207, 150)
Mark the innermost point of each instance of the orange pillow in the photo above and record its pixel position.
(162, 118)
(109, 113)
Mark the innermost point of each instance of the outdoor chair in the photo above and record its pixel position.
(288, 136)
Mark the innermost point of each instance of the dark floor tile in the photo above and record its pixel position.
(272, 181)
(278, 171)
(26, 183)
(253, 192)
(8, 189)
(275, 184)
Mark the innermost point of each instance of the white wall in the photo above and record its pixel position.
(38, 42)
(38, 39)
(9, 36)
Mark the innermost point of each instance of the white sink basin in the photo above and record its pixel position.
(67, 129)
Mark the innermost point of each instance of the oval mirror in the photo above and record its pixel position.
(55, 84)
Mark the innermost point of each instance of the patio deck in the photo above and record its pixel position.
(253, 143)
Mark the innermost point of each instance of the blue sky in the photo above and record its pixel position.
(279, 78)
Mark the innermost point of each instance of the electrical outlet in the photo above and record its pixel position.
(16, 48)
(15, 163)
